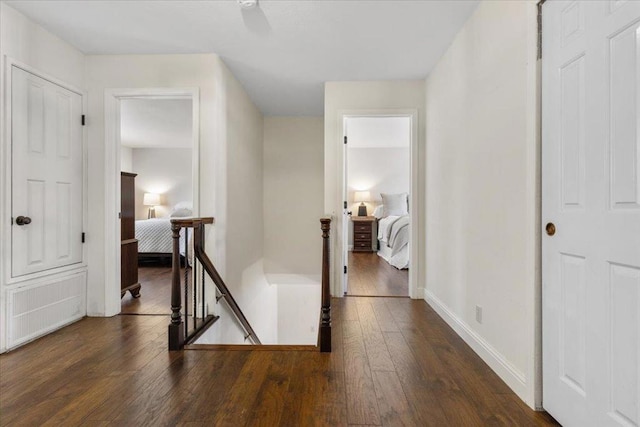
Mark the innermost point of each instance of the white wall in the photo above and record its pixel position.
(30, 44)
(164, 171)
(298, 313)
(372, 97)
(293, 185)
(126, 159)
(482, 172)
(377, 170)
(230, 163)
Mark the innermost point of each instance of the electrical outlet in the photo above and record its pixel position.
(478, 314)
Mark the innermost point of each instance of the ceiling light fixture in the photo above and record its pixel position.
(248, 4)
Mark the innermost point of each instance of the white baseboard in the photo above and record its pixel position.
(513, 377)
(420, 293)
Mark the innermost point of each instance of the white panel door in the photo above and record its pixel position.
(346, 214)
(46, 187)
(591, 193)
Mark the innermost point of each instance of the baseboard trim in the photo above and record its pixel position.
(514, 378)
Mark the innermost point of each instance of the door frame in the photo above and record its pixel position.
(6, 156)
(414, 185)
(112, 99)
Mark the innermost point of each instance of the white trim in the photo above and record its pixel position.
(414, 195)
(421, 293)
(43, 281)
(112, 98)
(6, 280)
(514, 378)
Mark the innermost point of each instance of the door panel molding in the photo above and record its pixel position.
(8, 283)
(5, 186)
(591, 191)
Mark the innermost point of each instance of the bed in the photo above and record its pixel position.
(393, 229)
(155, 239)
(393, 240)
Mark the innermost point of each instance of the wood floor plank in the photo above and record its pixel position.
(377, 353)
(349, 309)
(244, 392)
(362, 407)
(269, 404)
(425, 402)
(155, 293)
(316, 394)
(117, 371)
(394, 408)
(385, 320)
(370, 275)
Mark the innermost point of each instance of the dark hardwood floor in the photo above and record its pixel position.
(370, 275)
(155, 294)
(394, 362)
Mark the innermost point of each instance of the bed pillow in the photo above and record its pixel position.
(395, 204)
(181, 213)
(183, 205)
(181, 210)
(378, 211)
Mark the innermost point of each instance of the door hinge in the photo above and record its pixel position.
(83, 237)
(83, 120)
(540, 3)
(345, 139)
(11, 220)
(345, 204)
(345, 269)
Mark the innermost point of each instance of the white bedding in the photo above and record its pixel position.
(393, 236)
(154, 236)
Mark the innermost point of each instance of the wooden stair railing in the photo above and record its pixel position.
(324, 332)
(225, 294)
(180, 332)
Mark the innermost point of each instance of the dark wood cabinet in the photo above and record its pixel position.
(364, 233)
(128, 242)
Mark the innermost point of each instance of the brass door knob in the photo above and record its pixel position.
(550, 228)
(23, 220)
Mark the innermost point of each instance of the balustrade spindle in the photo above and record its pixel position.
(325, 317)
(176, 332)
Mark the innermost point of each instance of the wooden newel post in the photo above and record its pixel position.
(176, 329)
(325, 317)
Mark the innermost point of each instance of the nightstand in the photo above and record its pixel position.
(364, 233)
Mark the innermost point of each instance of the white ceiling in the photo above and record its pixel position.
(282, 51)
(156, 123)
(379, 132)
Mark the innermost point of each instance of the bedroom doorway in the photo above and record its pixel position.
(156, 185)
(376, 226)
(156, 162)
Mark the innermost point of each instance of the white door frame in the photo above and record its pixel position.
(414, 236)
(112, 99)
(6, 157)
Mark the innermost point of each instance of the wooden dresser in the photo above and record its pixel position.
(128, 242)
(364, 233)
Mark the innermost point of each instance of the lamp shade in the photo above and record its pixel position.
(362, 196)
(151, 199)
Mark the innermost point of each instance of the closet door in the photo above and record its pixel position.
(591, 212)
(46, 186)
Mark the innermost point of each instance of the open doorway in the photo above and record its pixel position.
(377, 188)
(157, 184)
